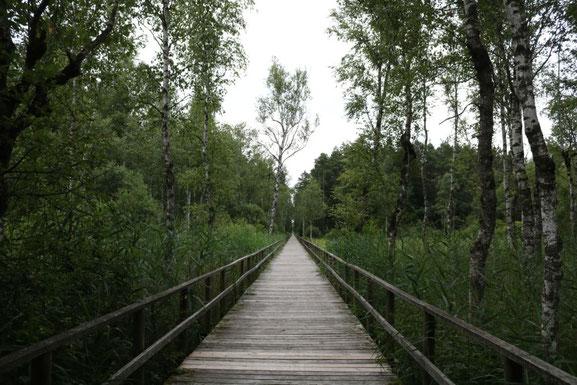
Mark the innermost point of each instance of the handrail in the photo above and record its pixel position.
(425, 363)
(515, 358)
(44, 348)
(138, 361)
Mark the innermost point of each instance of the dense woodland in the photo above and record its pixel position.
(118, 178)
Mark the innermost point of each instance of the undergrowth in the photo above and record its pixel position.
(105, 276)
(438, 275)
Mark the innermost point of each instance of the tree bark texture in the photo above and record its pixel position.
(487, 216)
(506, 176)
(169, 188)
(525, 195)
(207, 192)
(424, 169)
(544, 172)
(275, 194)
(568, 160)
(408, 155)
(450, 201)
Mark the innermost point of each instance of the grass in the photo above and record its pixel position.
(438, 274)
(122, 276)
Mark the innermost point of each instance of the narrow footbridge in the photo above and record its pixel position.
(289, 327)
(292, 324)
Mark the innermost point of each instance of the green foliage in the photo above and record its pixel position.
(438, 275)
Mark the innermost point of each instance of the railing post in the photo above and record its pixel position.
(356, 287)
(370, 300)
(390, 313)
(139, 342)
(347, 280)
(222, 304)
(207, 297)
(41, 370)
(428, 343)
(241, 273)
(184, 312)
(390, 317)
(514, 373)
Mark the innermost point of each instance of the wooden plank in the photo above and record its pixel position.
(289, 327)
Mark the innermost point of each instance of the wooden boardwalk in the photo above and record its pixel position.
(290, 327)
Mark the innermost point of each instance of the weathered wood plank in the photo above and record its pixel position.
(289, 327)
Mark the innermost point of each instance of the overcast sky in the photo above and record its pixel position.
(296, 33)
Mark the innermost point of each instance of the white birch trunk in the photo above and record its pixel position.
(169, 192)
(525, 195)
(275, 194)
(487, 216)
(424, 168)
(409, 154)
(506, 181)
(545, 176)
(450, 204)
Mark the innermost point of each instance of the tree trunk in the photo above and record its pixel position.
(72, 128)
(450, 223)
(483, 69)
(506, 175)
(188, 203)
(409, 154)
(538, 219)
(568, 160)
(275, 194)
(545, 176)
(528, 217)
(424, 168)
(6, 148)
(207, 193)
(169, 188)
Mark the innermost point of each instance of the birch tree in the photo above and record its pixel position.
(365, 72)
(561, 86)
(514, 121)
(166, 30)
(216, 57)
(544, 170)
(545, 173)
(487, 216)
(284, 119)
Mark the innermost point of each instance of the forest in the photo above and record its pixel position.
(119, 178)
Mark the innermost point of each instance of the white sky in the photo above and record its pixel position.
(295, 32)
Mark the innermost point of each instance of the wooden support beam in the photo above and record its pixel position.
(429, 325)
(41, 370)
(139, 343)
(207, 298)
(184, 313)
(514, 373)
(223, 302)
(371, 301)
(356, 287)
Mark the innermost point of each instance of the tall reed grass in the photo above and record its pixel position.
(438, 275)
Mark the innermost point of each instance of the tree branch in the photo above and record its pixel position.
(72, 69)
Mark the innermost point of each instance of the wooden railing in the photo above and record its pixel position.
(515, 360)
(39, 355)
